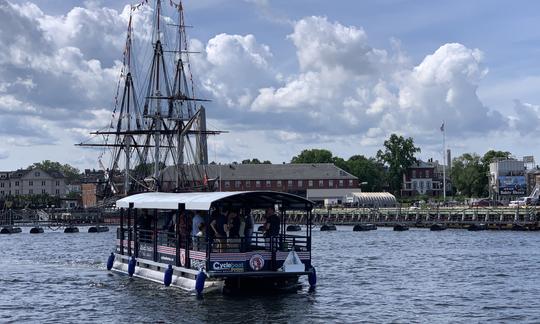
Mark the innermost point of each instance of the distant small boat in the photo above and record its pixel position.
(364, 227)
(36, 230)
(400, 228)
(294, 228)
(71, 229)
(98, 229)
(477, 227)
(328, 227)
(10, 230)
(437, 227)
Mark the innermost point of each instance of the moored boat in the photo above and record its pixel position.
(437, 227)
(477, 227)
(364, 227)
(328, 227)
(294, 228)
(10, 230)
(400, 228)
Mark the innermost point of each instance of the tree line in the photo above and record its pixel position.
(383, 172)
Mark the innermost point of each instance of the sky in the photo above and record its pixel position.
(283, 76)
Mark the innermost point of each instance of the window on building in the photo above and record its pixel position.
(31, 192)
(341, 183)
(30, 183)
(310, 183)
(268, 183)
(227, 184)
(414, 185)
(289, 183)
(16, 183)
(43, 183)
(321, 183)
(300, 183)
(258, 183)
(2, 185)
(43, 191)
(248, 184)
(57, 182)
(36, 174)
(2, 192)
(421, 185)
(413, 174)
(278, 183)
(428, 185)
(17, 191)
(351, 183)
(237, 184)
(330, 183)
(57, 191)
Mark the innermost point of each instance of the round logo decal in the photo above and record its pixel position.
(256, 262)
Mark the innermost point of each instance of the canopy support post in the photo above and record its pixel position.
(130, 237)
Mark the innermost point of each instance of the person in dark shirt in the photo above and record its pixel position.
(272, 223)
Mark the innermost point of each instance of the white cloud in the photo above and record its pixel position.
(527, 119)
(59, 75)
(232, 67)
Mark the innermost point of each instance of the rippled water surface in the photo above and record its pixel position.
(377, 276)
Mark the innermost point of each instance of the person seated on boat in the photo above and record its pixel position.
(200, 237)
(197, 220)
(217, 230)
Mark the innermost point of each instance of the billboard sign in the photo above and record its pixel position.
(512, 185)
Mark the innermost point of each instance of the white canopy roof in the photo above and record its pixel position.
(204, 200)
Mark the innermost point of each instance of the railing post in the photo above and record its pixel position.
(135, 234)
(122, 231)
(155, 241)
(188, 239)
(181, 208)
(129, 228)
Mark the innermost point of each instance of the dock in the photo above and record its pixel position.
(501, 218)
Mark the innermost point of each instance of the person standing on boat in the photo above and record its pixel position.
(217, 229)
(272, 223)
(248, 229)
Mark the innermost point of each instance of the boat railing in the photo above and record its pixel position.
(258, 242)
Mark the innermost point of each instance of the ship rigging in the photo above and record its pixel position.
(160, 123)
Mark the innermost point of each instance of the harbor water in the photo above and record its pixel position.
(377, 276)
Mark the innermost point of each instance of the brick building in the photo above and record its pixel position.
(422, 178)
(292, 178)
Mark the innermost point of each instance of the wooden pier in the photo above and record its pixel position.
(526, 218)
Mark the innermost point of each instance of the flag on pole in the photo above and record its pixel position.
(442, 127)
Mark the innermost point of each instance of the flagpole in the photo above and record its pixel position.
(444, 161)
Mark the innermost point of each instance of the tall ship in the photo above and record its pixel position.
(158, 122)
(191, 236)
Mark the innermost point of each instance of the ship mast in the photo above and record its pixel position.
(160, 133)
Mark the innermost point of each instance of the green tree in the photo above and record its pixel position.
(255, 161)
(398, 155)
(492, 156)
(49, 166)
(367, 170)
(314, 156)
(469, 176)
(320, 156)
